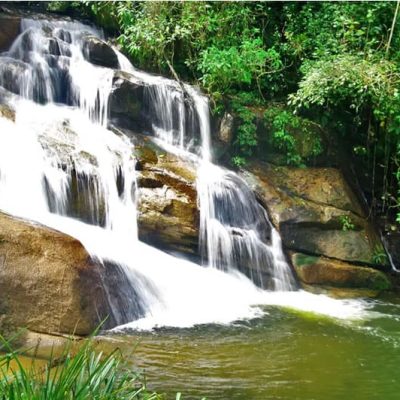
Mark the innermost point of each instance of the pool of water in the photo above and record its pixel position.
(282, 355)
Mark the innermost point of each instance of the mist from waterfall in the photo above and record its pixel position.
(62, 167)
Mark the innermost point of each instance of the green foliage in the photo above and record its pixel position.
(104, 12)
(292, 135)
(66, 7)
(350, 80)
(368, 90)
(379, 255)
(321, 29)
(85, 375)
(347, 223)
(230, 67)
(238, 161)
(246, 135)
(332, 61)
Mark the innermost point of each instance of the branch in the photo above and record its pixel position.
(392, 28)
(185, 93)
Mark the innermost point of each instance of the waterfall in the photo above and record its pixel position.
(235, 231)
(62, 167)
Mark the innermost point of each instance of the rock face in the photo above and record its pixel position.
(11, 72)
(10, 27)
(100, 53)
(48, 282)
(167, 211)
(127, 103)
(317, 214)
(314, 270)
(225, 132)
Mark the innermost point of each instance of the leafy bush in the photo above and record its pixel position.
(296, 137)
(86, 375)
(246, 134)
(233, 66)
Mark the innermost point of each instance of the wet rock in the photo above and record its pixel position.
(392, 240)
(167, 209)
(353, 246)
(135, 105)
(313, 270)
(48, 282)
(7, 112)
(10, 73)
(316, 212)
(226, 129)
(127, 103)
(10, 27)
(100, 53)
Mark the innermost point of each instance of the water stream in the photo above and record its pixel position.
(62, 167)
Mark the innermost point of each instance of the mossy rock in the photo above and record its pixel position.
(7, 112)
(313, 270)
(351, 246)
(316, 212)
(168, 215)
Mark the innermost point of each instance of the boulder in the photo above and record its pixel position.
(127, 105)
(100, 53)
(316, 212)
(10, 28)
(168, 216)
(136, 105)
(11, 72)
(49, 283)
(353, 246)
(313, 270)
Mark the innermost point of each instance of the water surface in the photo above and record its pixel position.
(282, 355)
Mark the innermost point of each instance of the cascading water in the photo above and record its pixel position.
(235, 232)
(62, 167)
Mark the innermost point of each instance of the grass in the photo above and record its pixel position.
(75, 375)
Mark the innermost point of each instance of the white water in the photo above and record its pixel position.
(52, 145)
(235, 232)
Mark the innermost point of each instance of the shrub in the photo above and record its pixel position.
(88, 374)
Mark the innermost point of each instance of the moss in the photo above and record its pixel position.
(302, 260)
(375, 280)
(146, 155)
(314, 270)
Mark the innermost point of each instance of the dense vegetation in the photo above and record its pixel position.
(82, 374)
(306, 80)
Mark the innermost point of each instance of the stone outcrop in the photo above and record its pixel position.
(100, 53)
(167, 209)
(127, 105)
(318, 215)
(313, 270)
(48, 282)
(11, 72)
(10, 27)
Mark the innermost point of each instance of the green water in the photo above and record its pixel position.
(283, 355)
